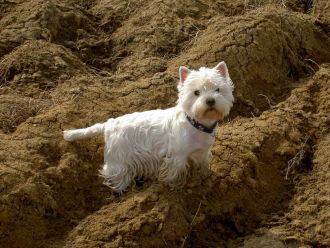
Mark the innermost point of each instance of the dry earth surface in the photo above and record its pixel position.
(70, 64)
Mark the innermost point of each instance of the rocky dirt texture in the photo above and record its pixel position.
(70, 64)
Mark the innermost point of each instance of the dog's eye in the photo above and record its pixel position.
(217, 90)
(197, 93)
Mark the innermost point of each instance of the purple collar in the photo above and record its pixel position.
(200, 127)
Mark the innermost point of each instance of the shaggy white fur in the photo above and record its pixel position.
(163, 143)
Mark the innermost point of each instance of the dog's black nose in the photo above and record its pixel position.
(210, 101)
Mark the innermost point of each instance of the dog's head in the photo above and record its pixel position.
(206, 94)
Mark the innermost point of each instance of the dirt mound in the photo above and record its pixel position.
(322, 11)
(71, 64)
(36, 66)
(305, 222)
(53, 21)
(267, 53)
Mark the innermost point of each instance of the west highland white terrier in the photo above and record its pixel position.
(163, 144)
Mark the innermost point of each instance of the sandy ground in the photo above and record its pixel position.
(70, 64)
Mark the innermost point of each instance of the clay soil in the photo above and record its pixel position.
(70, 64)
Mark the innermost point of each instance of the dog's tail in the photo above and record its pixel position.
(97, 129)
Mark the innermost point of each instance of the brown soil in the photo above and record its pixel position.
(70, 64)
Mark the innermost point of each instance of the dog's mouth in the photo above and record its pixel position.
(211, 109)
(212, 113)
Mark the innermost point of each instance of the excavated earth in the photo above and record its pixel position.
(73, 63)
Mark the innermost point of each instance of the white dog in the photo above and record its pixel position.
(164, 143)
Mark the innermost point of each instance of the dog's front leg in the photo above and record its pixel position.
(174, 170)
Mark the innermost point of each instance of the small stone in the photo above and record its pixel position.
(160, 227)
(143, 220)
(153, 198)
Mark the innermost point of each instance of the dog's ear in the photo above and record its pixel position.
(184, 72)
(222, 69)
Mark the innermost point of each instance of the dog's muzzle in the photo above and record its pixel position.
(210, 101)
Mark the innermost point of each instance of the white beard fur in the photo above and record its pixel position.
(162, 144)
